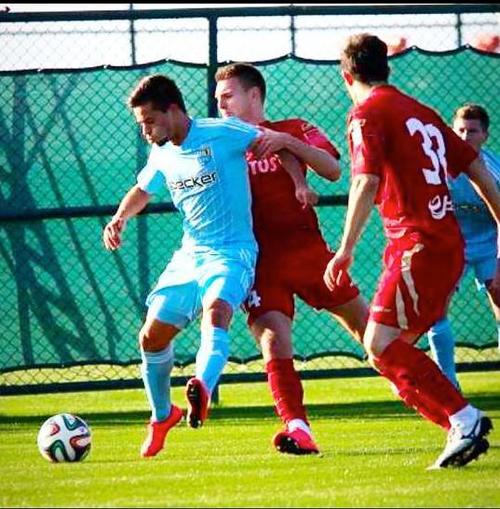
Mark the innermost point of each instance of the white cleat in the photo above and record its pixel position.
(463, 446)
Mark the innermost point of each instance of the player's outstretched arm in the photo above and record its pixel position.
(361, 200)
(132, 203)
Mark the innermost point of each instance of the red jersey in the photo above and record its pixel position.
(411, 149)
(274, 205)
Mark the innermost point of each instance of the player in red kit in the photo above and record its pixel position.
(292, 252)
(401, 152)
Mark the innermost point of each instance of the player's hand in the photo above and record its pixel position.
(337, 268)
(112, 234)
(267, 143)
(306, 196)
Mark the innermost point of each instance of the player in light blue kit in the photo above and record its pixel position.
(471, 123)
(202, 162)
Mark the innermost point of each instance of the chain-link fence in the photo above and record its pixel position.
(70, 150)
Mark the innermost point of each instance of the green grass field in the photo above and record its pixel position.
(374, 452)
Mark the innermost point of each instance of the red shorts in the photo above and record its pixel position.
(294, 266)
(417, 283)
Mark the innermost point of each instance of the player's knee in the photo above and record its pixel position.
(275, 345)
(150, 341)
(218, 314)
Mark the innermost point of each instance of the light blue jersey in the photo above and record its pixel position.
(207, 177)
(477, 225)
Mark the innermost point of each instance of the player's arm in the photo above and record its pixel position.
(361, 201)
(265, 138)
(292, 166)
(318, 159)
(486, 186)
(132, 203)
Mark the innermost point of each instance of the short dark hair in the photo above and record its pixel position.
(248, 75)
(365, 57)
(159, 90)
(471, 111)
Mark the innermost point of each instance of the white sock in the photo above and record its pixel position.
(465, 418)
(299, 424)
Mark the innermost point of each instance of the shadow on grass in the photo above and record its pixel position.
(355, 410)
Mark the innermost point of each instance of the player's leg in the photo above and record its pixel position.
(214, 346)
(353, 316)
(485, 272)
(496, 312)
(377, 338)
(211, 359)
(224, 284)
(272, 331)
(404, 306)
(442, 346)
(345, 303)
(169, 311)
(392, 353)
(482, 250)
(157, 361)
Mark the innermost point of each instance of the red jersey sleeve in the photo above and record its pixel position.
(312, 135)
(366, 139)
(459, 154)
(306, 132)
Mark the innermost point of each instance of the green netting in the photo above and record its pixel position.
(68, 140)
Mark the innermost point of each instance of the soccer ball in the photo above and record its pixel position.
(64, 437)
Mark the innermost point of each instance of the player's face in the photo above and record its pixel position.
(471, 131)
(156, 126)
(233, 100)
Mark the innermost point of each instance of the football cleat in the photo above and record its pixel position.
(461, 448)
(157, 433)
(295, 442)
(198, 400)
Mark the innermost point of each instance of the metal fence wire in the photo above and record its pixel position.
(70, 150)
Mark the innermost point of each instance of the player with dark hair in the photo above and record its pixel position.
(401, 152)
(292, 252)
(202, 162)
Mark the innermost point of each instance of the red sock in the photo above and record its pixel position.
(428, 409)
(286, 389)
(420, 382)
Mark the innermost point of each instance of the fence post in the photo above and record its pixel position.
(212, 106)
(132, 36)
(142, 225)
(458, 26)
(212, 65)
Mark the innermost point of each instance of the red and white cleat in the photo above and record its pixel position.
(157, 433)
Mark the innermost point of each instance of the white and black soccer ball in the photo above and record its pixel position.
(64, 437)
